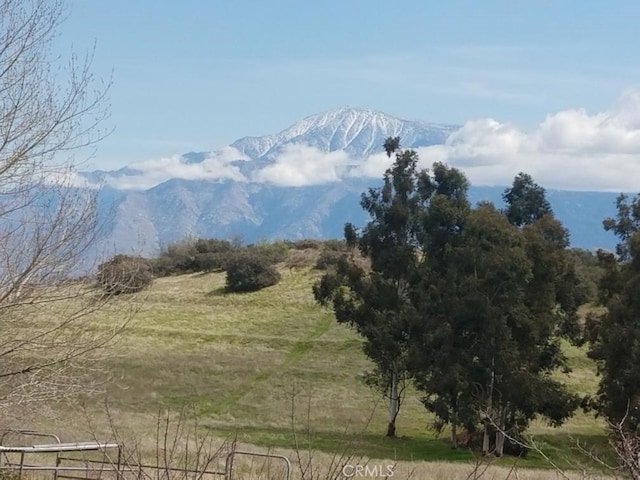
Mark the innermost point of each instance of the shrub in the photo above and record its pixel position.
(209, 262)
(212, 245)
(125, 274)
(247, 274)
(304, 244)
(301, 258)
(328, 259)
(183, 248)
(163, 266)
(274, 252)
(171, 265)
(192, 255)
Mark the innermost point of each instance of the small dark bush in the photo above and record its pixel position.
(174, 265)
(210, 254)
(125, 274)
(210, 262)
(328, 259)
(163, 266)
(212, 245)
(248, 274)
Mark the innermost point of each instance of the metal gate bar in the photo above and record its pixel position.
(230, 457)
(117, 468)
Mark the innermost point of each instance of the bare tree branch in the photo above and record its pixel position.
(50, 113)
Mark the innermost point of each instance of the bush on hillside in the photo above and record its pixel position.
(304, 244)
(166, 265)
(193, 255)
(247, 273)
(328, 259)
(177, 258)
(335, 245)
(211, 262)
(301, 258)
(182, 248)
(212, 245)
(210, 254)
(162, 266)
(125, 274)
(272, 252)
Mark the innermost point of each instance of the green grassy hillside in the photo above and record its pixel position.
(254, 364)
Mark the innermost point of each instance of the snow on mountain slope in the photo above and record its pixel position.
(359, 132)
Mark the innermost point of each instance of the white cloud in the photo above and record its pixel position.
(372, 167)
(577, 132)
(218, 166)
(301, 165)
(64, 177)
(571, 149)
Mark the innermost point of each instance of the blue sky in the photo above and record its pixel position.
(196, 75)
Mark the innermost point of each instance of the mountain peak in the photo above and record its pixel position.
(358, 131)
(348, 114)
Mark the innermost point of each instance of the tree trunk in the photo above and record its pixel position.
(499, 443)
(394, 403)
(454, 435)
(500, 433)
(391, 429)
(486, 439)
(487, 422)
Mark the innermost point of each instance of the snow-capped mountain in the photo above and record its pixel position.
(356, 132)
(221, 194)
(359, 132)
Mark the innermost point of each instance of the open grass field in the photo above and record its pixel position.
(261, 365)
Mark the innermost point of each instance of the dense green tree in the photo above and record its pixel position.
(391, 145)
(485, 353)
(588, 272)
(375, 301)
(450, 298)
(556, 289)
(458, 305)
(615, 336)
(548, 313)
(526, 201)
(249, 273)
(626, 224)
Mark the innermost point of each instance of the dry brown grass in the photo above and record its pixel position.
(241, 358)
(301, 259)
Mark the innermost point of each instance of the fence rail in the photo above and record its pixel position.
(106, 468)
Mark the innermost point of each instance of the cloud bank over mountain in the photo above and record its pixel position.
(218, 165)
(569, 150)
(306, 181)
(300, 165)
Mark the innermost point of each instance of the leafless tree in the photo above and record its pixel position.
(51, 114)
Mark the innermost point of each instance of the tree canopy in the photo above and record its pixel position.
(615, 335)
(467, 302)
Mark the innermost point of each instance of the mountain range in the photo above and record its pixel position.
(303, 182)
